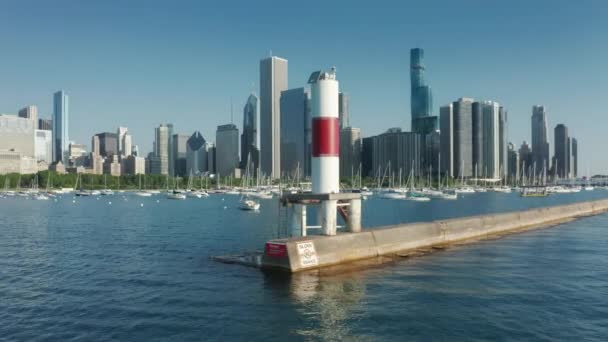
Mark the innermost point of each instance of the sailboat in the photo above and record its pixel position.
(412, 194)
(176, 194)
(463, 189)
(81, 192)
(39, 195)
(106, 191)
(142, 193)
(247, 203)
(588, 186)
(7, 185)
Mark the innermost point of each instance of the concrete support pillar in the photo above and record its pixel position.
(301, 213)
(329, 212)
(354, 216)
(292, 219)
(297, 219)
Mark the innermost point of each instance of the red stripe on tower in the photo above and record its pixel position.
(325, 137)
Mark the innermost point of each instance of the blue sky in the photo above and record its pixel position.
(142, 63)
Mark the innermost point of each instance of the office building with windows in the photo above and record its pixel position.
(61, 136)
(273, 81)
(227, 150)
(250, 138)
(295, 113)
(423, 121)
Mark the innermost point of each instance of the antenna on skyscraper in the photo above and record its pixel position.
(231, 112)
(270, 53)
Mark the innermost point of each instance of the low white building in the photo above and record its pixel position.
(16, 162)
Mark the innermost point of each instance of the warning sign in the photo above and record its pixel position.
(307, 253)
(276, 250)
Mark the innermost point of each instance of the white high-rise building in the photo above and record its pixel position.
(124, 142)
(490, 167)
(43, 146)
(162, 149)
(273, 80)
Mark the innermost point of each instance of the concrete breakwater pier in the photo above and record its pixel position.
(318, 251)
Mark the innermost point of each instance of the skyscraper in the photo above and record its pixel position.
(513, 156)
(343, 110)
(179, 150)
(61, 135)
(108, 144)
(196, 154)
(124, 142)
(30, 112)
(490, 168)
(540, 141)
(463, 137)
(446, 120)
(502, 141)
(45, 124)
(273, 80)
(227, 149)
(421, 96)
(400, 150)
(43, 145)
(561, 151)
(574, 151)
(477, 118)
(350, 151)
(162, 150)
(525, 159)
(96, 158)
(294, 115)
(250, 138)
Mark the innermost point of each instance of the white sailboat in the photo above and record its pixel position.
(249, 204)
(176, 195)
(142, 193)
(105, 191)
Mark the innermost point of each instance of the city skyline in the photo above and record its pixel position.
(478, 73)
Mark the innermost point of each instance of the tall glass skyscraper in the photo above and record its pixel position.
(562, 151)
(421, 96)
(294, 116)
(463, 137)
(250, 139)
(61, 137)
(227, 149)
(540, 142)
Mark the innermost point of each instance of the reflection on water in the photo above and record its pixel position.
(326, 303)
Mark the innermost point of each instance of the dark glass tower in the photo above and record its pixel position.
(421, 96)
(250, 152)
(562, 151)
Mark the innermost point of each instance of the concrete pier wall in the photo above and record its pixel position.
(298, 254)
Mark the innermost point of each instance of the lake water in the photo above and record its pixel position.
(139, 269)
